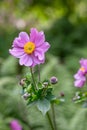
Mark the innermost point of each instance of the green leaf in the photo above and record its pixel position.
(51, 97)
(39, 85)
(43, 105)
(28, 76)
(56, 101)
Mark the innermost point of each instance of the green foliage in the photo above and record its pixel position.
(38, 93)
(3, 123)
(80, 97)
(79, 120)
(11, 64)
(6, 38)
(66, 38)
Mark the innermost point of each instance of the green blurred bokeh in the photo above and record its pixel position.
(65, 25)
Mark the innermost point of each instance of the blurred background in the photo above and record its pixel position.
(65, 25)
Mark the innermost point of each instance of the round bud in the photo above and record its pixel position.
(26, 95)
(45, 84)
(53, 80)
(22, 82)
(62, 94)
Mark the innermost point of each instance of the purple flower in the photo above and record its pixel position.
(30, 49)
(80, 76)
(14, 125)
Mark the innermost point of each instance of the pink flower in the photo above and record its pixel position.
(79, 80)
(30, 49)
(80, 76)
(14, 125)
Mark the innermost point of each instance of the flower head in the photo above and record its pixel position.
(14, 125)
(30, 49)
(80, 76)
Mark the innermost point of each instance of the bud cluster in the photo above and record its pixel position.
(44, 89)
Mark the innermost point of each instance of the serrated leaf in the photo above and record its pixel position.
(43, 105)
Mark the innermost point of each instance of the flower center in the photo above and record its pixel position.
(82, 69)
(29, 47)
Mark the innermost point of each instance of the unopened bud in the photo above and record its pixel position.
(26, 95)
(22, 82)
(62, 94)
(53, 80)
(45, 84)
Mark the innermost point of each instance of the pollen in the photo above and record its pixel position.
(82, 69)
(29, 47)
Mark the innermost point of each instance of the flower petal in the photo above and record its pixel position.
(36, 61)
(39, 54)
(79, 83)
(45, 46)
(33, 34)
(37, 37)
(83, 63)
(17, 52)
(26, 60)
(21, 40)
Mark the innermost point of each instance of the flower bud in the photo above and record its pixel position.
(53, 80)
(62, 94)
(26, 95)
(45, 84)
(22, 82)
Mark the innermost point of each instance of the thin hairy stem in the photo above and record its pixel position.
(50, 121)
(34, 83)
(53, 117)
(39, 77)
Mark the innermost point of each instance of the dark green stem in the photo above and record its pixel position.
(50, 121)
(34, 83)
(53, 117)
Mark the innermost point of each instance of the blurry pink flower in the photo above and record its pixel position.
(80, 76)
(30, 49)
(14, 125)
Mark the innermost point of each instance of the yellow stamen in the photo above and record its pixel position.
(29, 47)
(82, 69)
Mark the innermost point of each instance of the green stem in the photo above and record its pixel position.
(53, 117)
(50, 121)
(34, 83)
(39, 77)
